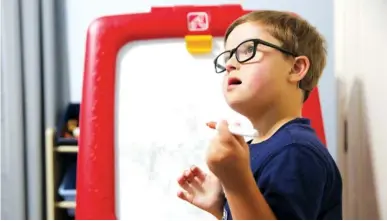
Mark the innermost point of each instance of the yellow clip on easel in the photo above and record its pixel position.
(198, 44)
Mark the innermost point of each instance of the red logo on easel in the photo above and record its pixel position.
(197, 21)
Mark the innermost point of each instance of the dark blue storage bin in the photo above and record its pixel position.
(71, 112)
(67, 187)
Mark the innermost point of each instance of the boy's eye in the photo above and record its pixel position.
(250, 49)
(246, 49)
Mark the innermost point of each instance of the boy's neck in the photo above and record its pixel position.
(267, 123)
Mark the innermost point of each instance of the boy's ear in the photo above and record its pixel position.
(300, 68)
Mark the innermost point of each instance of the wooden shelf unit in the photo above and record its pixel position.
(55, 164)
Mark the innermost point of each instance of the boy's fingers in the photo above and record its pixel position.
(196, 185)
(224, 127)
(221, 126)
(185, 196)
(185, 179)
(185, 185)
(225, 136)
(212, 124)
(191, 179)
(224, 133)
(240, 139)
(181, 180)
(197, 172)
(188, 175)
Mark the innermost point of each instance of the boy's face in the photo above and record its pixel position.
(261, 79)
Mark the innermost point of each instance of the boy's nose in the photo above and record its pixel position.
(230, 68)
(232, 65)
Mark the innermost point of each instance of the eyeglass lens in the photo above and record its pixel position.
(243, 52)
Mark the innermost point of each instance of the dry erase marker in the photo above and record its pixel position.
(236, 129)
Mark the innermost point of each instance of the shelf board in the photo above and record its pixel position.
(65, 204)
(67, 149)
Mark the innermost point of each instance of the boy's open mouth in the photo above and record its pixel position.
(233, 81)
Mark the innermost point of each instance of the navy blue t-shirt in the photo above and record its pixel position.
(296, 174)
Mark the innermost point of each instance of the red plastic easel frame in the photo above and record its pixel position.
(106, 36)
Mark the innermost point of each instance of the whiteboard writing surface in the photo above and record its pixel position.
(164, 97)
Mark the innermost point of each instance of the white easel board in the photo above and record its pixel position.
(144, 106)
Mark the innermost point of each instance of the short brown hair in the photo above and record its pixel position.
(296, 35)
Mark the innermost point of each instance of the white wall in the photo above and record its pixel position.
(319, 12)
(361, 72)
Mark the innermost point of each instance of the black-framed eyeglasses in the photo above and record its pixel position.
(244, 52)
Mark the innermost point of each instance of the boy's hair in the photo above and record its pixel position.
(296, 35)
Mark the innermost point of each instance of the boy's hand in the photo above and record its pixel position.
(202, 190)
(228, 157)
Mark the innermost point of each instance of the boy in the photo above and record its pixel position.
(271, 63)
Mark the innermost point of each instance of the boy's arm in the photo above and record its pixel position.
(292, 185)
(247, 202)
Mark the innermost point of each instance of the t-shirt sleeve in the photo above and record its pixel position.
(292, 183)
